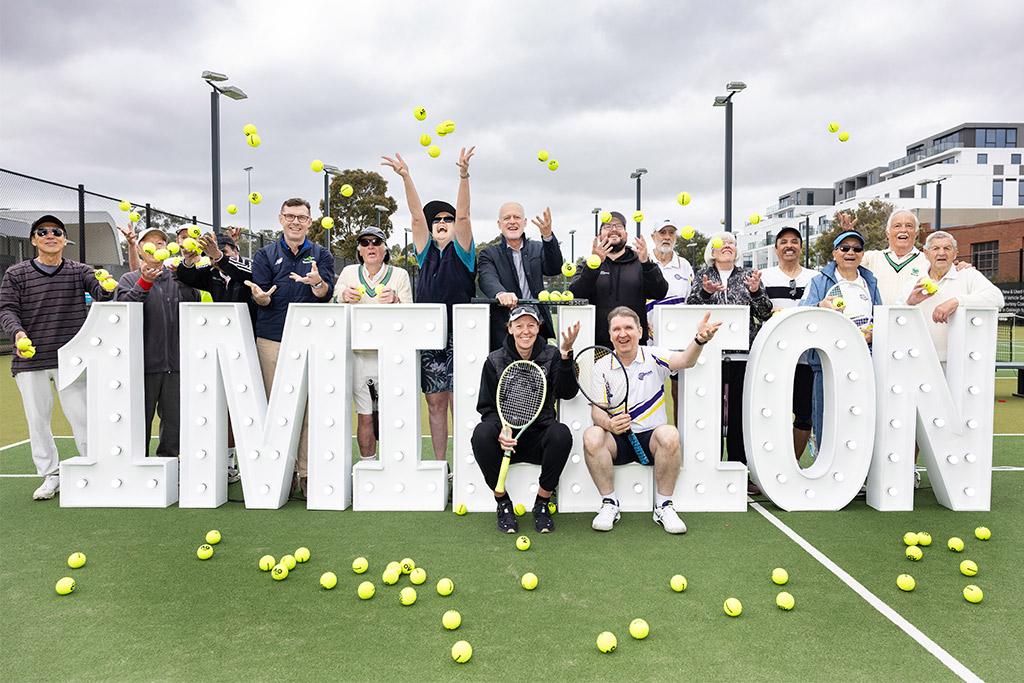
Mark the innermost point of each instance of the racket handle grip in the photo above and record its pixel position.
(503, 472)
(641, 456)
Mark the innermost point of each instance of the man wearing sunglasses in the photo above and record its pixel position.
(43, 300)
(372, 281)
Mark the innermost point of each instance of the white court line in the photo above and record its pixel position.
(927, 643)
(12, 445)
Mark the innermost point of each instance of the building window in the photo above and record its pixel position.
(985, 257)
(810, 198)
(871, 177)
(907, 193)
(997, 193)
(1020, 193)
(924, 192)
(1014, 158)
(982, 158)
(995, 137)
(997, 169)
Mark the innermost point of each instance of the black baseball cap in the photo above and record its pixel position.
(435, 207)
(791, 229)
(48, 218)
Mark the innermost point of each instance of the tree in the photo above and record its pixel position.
(688, 252)
(871, 222)
(352, 214)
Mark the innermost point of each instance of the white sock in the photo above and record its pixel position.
(660, 500)
(612, 497)
(231, 458)
(369, 457)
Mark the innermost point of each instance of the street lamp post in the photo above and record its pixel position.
(380, 208)
(938, 199)
(235, 93)
(412, 280)
(694, 257)
(329, 170)
(597, 227)
(248, 191)
(807, 237)
(726, 101)
(636, 175)
(572, 246)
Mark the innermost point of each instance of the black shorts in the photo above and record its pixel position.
(803, 386)
(624, 452)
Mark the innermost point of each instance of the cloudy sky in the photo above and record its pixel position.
(108, 93)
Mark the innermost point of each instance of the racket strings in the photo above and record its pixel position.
(601, 377)
(521, 393)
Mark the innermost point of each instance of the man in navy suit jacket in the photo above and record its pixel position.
(513, 268)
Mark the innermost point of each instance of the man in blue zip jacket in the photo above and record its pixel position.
(290, 270)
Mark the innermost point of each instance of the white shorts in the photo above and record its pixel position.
(365, 367)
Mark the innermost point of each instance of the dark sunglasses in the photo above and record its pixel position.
(43, 232)
(792, 289)
(847, 247)
(367, 241)
(444, 219)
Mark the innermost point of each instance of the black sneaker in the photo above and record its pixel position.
(507, 523)
(542, 521)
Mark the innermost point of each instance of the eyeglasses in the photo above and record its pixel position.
(43, 232)
(293, 218)
(444, 219)
(367, 241)
(613, 226)
(792, 289)
(847, 247)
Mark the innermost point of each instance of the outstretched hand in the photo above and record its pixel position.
(711, 286)
(544, 223)
(706, 330)
(397, 164)
(463, 162)
(569, 337)
(261, 297)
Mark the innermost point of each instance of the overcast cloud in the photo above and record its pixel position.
(108, 93)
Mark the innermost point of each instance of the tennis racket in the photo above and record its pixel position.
(373, 401)
(863, 322)
(522, 389)
(602, 378)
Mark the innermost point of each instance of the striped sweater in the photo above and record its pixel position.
(50, 309)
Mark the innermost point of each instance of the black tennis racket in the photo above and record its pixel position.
(373, 401)
(602, 378)
(522, 389)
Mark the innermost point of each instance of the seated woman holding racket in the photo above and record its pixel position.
(634, 376)
(518, 387)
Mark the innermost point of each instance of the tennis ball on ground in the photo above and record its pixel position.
(407, 565)
(279, 572)
(780, 575)
(544, 295)
(288, 561)
(683, 198)
(606, 216)
(687, 232)
(359, 565)
(418, 575)
(568, 296)
(553, 296)
(785, 601)
(434, 151)
(462, 651)
(606, 642)
(328, 580)
(389, 577)
(982, 533)
(205, 551)
(347, 190)
(529, 581)
(955, 544)
(905, 582)
(844, 136)
(213, 537)
(553, 165)
(593, 261)
(425, 140)
(638, 216)
(407, 596)
(523, 542)
(833, 127)
(255, 197)
(971, 593)
(253, 139)
(460, 509)
(397, 566)
(520, 509)
(451, 620)
(134, 217)
(445, 587)
(101, 275)
(542, 155)
(568, 269)
(968, 568)
(639, 629)
(910, 538)
(717, 243)
(678, 583)
(67, 585)
(552, 508)
(173, 247)
(125, 206)
(302, 555)
(232, 209)
(76, 560)
(366, 590)
(267, 562)
(149, 248)
(914, 553)
(161, 254)
(837, 303)
(420, 113)
(110, 284)
(924, 538)
(317, 165)
(24, 344)
(733, 607)
(249, 129)
(755, 218)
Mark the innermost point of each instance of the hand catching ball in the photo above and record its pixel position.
(24, 344)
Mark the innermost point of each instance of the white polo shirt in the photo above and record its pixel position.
(678, 273)
(647, 374)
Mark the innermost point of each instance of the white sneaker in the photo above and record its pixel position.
(917, 479)
(234, 475)
(607, 515)
(51, 484)
(667, 517)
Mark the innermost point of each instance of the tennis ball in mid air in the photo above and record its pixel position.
(971, 593)
(134, 216)
(553, 165)
(249, 129)
(542, 155)
(755, 218)
(833, 127)
(924, 538)
(213, 537)
(407, 565)
(837, 303)
(316, 165)
(359, 565)
(520, 509)
(606, 642)
(552, 296)
(253, 139)
(785, 601)
(346, 190)
(440, 129)
(255, 197)
(780, 575)
(425, 140)
(523, 542)
(544, 295)
(389, 577)
(110, 284)
(914, 553)
(462, 651)
(678, 583)
(568, 269)
(288, 561)
(205, 551)
(418, 575)
(232, 209)
(326, 222)
(683, 198)
(461, 509)
(420, 113)
(449, 127)
(302, 555)
(267, 562)
(529, 581)
(161, 254)
(687, 232)
(844, 136)
(24, 344)
(982, 533)
(445, 587)
(407, 596)
(279, 572)
(125, 206)
(905, 582)
(451, 620)
(194, 231)
(593, 261)
(733, 607)
(606, 217)
(434, 151)
(955, 544)
(639, 629)
(638, 216)
(366, 590)
(76, 560)
(173, 248)
(67, 585)
(968, 568)
(190, 244)
(328, 580)
(717, 243)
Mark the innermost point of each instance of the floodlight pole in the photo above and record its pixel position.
(215, 144)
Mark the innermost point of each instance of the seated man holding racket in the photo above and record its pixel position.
(518, 388)
(634, 375)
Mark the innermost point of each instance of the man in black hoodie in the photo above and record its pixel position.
(546, 442)
(616, 276)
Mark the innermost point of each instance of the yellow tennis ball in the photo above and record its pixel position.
(434, 151)
(972, 593)
(844, 136)
(567, 296)
(461, 509)
(76, 560)
(523, 542)
(678, 583)
(29, 352)
(529, 581)
(24, 344)
(833, 127)
(279, 572)
(755, 218)
(418, 575)
(905, 582)
(347, 190)
(316, 165)
(232, 209)
(249, 129)
(161, 254)
(968, 568)
(544, 295)
(639, 629)
(520, 509)
(407, 565)
(267, 562)
(910, 538)
(420, 113)
(288, 561)
(440, 129)
(390, 577)
(924, 538)
(253, 139)
(425, 140)
(101, 274)
(542, 155)
(606, 642)
(359, 565)
(568, 269)
(451, 620)
(683, 198)
(213, 537)
(194, 231)
(982, 533)
(302, 554)
(717, 243)
(687, 232)
(840, 302)
(134, 216)
(397, 566)
(552, 508)
(553, 296)
(204, 261)
(606, 216)
(125, 206)
(445, 587)
(449, 127)
(785, 601)
(593, 261)
(407, 596)
(638, 216)
(553, 165)
(955, 544)
(361, 288)
(173, 247)
(190, 244)
(110, 284)
(914, 553)
(780, 576)
(462, 651)
(733, 607)
(67, 585)
(205, 551)
(366, 590)
(255, 197)
(328, 580)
